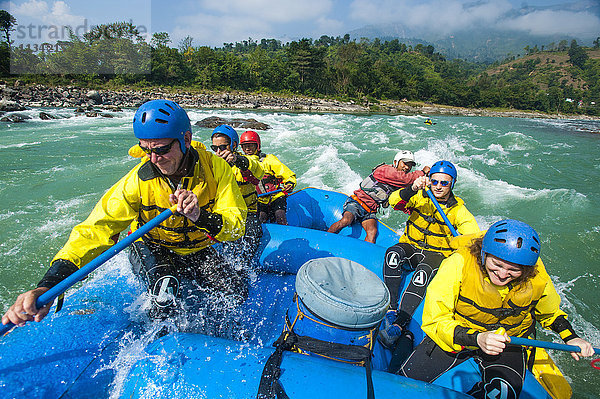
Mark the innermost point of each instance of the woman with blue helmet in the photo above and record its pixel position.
(493, 286)
(209, 204)
(422, 247)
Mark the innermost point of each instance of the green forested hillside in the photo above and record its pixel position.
(565, 81)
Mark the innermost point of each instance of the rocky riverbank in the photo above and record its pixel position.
(16, 96)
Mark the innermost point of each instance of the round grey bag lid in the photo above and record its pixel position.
(342, 292)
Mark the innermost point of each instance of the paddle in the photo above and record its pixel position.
(441, 211)
(269, 193)
(49, 296)
(274, 192)
(547, 345)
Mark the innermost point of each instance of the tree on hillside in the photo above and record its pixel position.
(577, 55)
(597, 43)
(306, 60)
(7, 24)
(562, 45)
(160, 39)
(185, 44)
(115, 30)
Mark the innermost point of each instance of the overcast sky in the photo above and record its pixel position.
(214, 22)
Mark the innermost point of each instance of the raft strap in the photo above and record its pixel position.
(270, 387)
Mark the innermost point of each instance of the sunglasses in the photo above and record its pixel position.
(158, 150)
(221, 147)
(443, 183)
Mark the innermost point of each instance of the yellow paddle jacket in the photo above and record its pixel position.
(141, 194)
(461, 301)
(276, 174)
(426, 228)
(245, 182)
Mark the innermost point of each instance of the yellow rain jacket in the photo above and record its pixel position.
(426, 228)
(247, 188)
(462, 299)
(141, 195)
(276, 175)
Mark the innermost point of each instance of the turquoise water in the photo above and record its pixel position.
(540, 171)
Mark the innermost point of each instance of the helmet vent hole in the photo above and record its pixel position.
(161, 121)
(144, 117)
(164, 112)
(500, 240)
(168, 105)
(501, 231)
(519, 242)
(534, 249)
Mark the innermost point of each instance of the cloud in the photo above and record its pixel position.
(59, 14)
(279, 11)
(443, 16)
(31, 9)
(214, 31)
(225, 21)
(546, 22)
(454, 15)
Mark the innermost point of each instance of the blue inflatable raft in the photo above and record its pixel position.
(101, 345)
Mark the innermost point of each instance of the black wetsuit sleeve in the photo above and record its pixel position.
(242, 162)
(211, 222)
(407, 193)
(58, 271)
(563, 327)
(465, 336)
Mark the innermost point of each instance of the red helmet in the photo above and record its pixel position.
(250, 136)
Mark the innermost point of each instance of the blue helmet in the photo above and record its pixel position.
(513, 241)
(229, 132)
(160, 119)
(444, 167)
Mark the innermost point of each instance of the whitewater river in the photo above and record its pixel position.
(543, 172)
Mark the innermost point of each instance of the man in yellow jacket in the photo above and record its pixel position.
(492, 281)
(248, 171)
(209, 204)
(424, 244)
(278, 179)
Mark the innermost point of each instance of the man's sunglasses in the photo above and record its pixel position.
(444, 183)
(221, 147)
(158, 150)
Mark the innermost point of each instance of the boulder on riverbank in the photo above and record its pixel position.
(213, 121)
(37, 95)
(14, 118)
(10, 106)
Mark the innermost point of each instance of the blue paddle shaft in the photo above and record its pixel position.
(441, 211)
(48, 296)
(269, 193)
(547, 345)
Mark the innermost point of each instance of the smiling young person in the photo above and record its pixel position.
(424, 244)
(209, 206)
(492, 281)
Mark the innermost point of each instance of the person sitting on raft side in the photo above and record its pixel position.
(278, 177)
(248, 172)
(374, 192)
(494, 280)
(209, 204)
(423, 246)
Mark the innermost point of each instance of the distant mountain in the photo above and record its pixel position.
(481, 43)
(484, 46)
